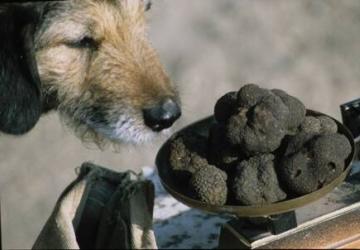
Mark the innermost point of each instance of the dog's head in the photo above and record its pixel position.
(89, 59)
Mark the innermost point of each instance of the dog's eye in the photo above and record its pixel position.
(84, 43)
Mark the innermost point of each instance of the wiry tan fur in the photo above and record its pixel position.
(120, 78)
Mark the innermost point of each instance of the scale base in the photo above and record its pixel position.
(332, 222)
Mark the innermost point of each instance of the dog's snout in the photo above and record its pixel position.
(163, 115)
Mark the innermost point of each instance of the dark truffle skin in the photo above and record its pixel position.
(209, 185)
(297, 142)
(296, 107)
(250, 95)
(188, 153)
(220, 152)
(331, 151)
(297, 176)
(328, 125)
(256, 182)
(331, 146)
(311, 127)
(277, 107)
(262, 119)
(258, 129)
(225, 107)
(316, 164)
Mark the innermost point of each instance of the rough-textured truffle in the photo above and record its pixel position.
(235, 164)
(330, 146)
(262, 119)
(310, 127)
(188, 152)
(296, 107)
(256, 182)
(276, 106)
(209, 185)
(225, 107)
(315, 164)
(257, 130)
(220, 152)
(295, 143)
(328, 125)
(250, 94)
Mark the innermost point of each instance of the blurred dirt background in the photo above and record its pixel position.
(309, 48)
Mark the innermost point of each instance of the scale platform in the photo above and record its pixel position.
(333, 222)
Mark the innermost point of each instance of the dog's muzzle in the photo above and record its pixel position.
(162, 115)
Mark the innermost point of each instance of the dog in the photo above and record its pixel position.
(91, 61)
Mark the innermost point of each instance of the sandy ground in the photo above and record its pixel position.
(309, 48)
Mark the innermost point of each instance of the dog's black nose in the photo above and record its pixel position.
(163, 115)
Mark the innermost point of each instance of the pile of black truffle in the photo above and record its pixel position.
(262, 149)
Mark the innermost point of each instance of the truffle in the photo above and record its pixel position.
(255, 128)
(295, 143)
(328, 125)
(262, 119)
(188, 152)
(250, 95)
(256, 182)
(258, 129)
(225, 107)
(311, 127)
(209, 185)
(220, 152)
(296, 107)
(316, 164)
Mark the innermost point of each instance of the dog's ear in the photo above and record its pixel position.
(20, 94)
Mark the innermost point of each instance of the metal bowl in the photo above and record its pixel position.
(202, 128)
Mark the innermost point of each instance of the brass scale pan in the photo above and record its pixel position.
(202, 127)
